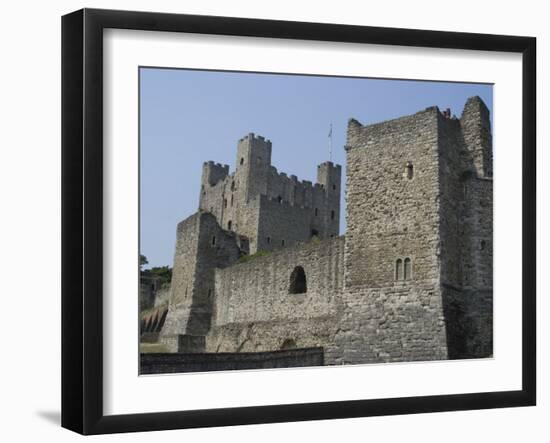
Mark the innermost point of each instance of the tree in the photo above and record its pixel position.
(142, 261)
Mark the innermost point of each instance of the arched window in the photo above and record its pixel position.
(288, 344)
(280, 199)
(407, 269)
(334, 187)
(232, 186)
(399, 269)
(268, 240)
(409, 170)
(298, 284)
(229, 225)
(213, 240)
(231, 199)
(332, 214)
(225, 203)
(242, 160)
(282, 242)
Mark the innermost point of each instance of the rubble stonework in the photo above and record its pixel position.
(410, 280)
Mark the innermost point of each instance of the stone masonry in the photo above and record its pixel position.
(261, 267)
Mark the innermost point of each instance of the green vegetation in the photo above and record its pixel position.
(247, 258)
(162, 273)
(142, 261)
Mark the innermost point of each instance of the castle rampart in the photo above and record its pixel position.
(239, 200)
(411, 280)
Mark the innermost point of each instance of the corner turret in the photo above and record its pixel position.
(476, 127)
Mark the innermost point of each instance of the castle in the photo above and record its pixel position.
(261, 267)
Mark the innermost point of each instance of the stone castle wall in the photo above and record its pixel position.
(201, 247)
(398, 217)
(241, 201)
(254, 296)
(411, 280)
(392, 312)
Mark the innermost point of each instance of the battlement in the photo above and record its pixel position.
(252, 136)
(213, 173)
(275, 174)
(329, 164)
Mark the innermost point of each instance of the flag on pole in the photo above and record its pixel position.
(330, 143)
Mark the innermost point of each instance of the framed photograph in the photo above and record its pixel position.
(268, 221)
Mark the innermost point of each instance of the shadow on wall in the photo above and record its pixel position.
(469, 326)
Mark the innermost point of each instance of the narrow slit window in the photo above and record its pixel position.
(410, 170)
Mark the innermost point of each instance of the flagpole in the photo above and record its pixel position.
(330, 143)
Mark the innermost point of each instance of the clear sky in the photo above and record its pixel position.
(188, 117)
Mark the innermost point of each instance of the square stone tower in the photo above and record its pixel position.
(419, 236)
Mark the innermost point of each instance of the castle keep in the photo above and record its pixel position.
(261, 267)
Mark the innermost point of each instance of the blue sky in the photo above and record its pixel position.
(188, 117)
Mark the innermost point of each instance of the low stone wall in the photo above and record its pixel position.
(175, 363)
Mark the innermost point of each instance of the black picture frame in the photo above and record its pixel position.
(82, 218)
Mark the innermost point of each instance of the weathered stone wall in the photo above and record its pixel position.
(400, 322)
(391, 215)
(254, 309)
(175, 363)
(201, 246)
(281, 224)
(466, 251)
(476, 129)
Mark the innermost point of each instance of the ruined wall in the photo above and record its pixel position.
(281, 224)
(255, 311)
(412, 280)
(466, 251)
(238, 200)
(201, 246)
(476, 128)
